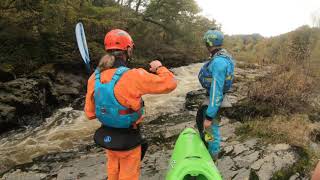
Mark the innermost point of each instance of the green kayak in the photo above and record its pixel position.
(191, 160)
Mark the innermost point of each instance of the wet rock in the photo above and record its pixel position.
(251, 143)
(239, 148)
(243, 174)
(251, 159)
(194, 99)
(173, 131)
(27, 101)
(225, 165)
(266, 171)
(6, 164)
(6, 74)
(228, 131)
(78, 103)
(232, 98)
(271, 163)
(19, 99)
(56, 157)
(66, 86)
(285, 159)
(228, 150)
(224, 121)
(88, 167)
(246, 161)
(6, 112)
(155, 165)
(24, 175)
(257, 165)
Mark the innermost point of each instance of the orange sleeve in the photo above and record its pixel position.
(89, 107)
(161, 82)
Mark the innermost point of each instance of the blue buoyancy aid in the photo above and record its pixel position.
(108, 110)
(205, 74)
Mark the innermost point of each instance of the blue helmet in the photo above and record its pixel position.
(213, 37)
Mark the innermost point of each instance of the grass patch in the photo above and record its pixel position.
(242, 65)
(285, 91)
(294, 130)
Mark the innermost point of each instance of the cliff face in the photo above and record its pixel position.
(27, 101)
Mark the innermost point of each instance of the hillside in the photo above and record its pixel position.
(38, 32)
(300, 45)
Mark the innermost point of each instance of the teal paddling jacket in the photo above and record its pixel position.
(222, 70)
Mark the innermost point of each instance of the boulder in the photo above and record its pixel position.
(29, 100)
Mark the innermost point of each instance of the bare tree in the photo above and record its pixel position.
(129, 3)
(138, 5)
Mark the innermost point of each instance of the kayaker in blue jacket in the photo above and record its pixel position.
(216, 77)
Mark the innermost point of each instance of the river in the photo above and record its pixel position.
(68, 129)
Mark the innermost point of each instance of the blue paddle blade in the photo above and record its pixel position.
(82, 44)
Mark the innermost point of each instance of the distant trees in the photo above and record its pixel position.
(297, 46)
(36, 32)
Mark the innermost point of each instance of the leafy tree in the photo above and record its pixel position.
(38, 32)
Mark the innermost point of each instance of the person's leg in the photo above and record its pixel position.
(113, 165)
(214, 145)
(201, 113)
(316, 173)
(130, 164)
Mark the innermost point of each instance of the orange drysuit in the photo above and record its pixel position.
(125, 165)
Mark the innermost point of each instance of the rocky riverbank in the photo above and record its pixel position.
(27, 101)
(249, 158)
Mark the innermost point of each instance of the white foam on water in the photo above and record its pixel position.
(67, 128)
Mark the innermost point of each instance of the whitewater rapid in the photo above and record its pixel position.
(68, 129)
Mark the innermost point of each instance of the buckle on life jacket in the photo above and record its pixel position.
(126, 111)
(130, 111)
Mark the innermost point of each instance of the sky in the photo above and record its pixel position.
(266, 17)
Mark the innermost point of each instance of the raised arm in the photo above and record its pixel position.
(160, 83)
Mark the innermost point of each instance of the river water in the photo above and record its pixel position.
(69, 129)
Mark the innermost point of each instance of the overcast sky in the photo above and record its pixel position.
(266, 17)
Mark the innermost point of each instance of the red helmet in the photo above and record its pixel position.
(118, 39)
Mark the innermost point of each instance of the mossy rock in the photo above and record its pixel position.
(48, 69)
(6, 72)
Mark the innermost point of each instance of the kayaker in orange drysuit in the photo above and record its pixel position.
(114, 98)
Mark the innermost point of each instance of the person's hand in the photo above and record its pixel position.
(206, 123)
(154, 65)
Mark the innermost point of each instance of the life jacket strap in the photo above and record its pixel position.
(130, 111)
